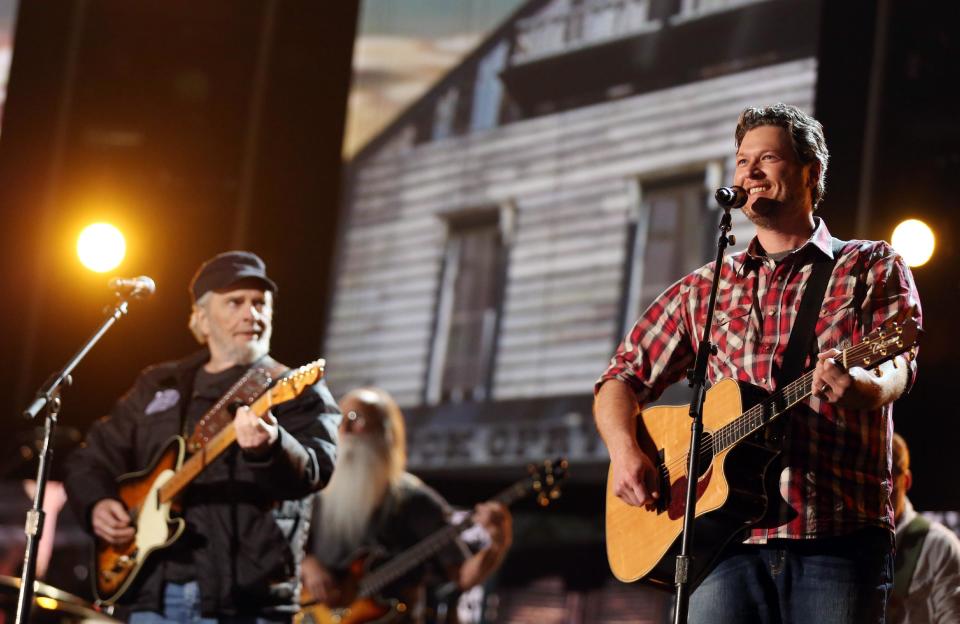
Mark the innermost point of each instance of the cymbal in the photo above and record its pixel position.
(39, 589)
(68, 607)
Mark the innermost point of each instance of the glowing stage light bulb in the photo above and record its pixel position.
(913, 239)
(101, 247)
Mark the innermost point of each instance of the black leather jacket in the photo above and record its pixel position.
(247, 518)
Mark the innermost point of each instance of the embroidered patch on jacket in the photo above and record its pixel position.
(163, 400)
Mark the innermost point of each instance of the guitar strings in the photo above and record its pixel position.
(752, 417)
(380, 577)
(708, 445)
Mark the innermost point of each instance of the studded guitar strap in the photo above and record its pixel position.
(251, 384)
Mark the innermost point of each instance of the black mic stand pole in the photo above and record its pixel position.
(698, 381)
(49, 396)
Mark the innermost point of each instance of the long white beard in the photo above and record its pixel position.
(359, 482)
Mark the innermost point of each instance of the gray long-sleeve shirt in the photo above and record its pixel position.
(934, 593)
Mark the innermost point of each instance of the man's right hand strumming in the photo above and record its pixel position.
(111, 522)
(635, 478)
(634, 474)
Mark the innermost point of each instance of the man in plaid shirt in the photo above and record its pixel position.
(833, 561)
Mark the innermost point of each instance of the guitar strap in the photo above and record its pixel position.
(251, 384)
(798, 347)
(802, 334)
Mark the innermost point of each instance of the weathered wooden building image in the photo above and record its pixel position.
(467, 203)
(501, 235)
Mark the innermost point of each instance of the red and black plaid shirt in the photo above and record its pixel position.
(837, 473)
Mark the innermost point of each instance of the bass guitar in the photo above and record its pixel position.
(150, 493)
(734, 490)
(359, 599)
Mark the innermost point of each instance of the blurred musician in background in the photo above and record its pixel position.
(926, 587)
(372, 505)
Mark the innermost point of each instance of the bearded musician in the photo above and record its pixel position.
(245, 514)
(373, 506)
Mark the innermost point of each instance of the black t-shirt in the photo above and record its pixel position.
(208, 388)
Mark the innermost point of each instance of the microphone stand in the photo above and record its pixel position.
(49, 397)
(698, 380)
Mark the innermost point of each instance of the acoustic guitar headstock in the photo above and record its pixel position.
(882, 344)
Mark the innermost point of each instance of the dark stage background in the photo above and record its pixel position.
(195, 127)
(202, 126)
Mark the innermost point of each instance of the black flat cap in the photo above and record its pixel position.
(228, 268)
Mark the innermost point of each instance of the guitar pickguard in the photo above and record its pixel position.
(116, 567)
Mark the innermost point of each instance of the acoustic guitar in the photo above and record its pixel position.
(734, 490)
(150, 493)
(359, 600)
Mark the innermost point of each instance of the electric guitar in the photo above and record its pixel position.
(150, 493)
(359, 600)
(734, 490)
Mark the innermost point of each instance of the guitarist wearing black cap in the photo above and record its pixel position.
(245, 511)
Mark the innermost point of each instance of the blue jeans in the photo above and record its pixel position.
(838, 580)
(181, 605)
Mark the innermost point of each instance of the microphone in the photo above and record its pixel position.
(137, 287)
(731, 196)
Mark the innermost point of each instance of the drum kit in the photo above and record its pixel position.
(50, 605)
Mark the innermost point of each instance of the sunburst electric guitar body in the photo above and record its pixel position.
(149, 495)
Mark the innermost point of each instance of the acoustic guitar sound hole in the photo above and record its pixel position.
(706, 453)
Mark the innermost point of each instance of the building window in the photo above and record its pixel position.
(672, 236)
(488, 90)
(468, 310)
(696, 8)
(445, 114)
(564, 26)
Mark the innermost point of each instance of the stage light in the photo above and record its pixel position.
(101, 247)
(913, 239)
